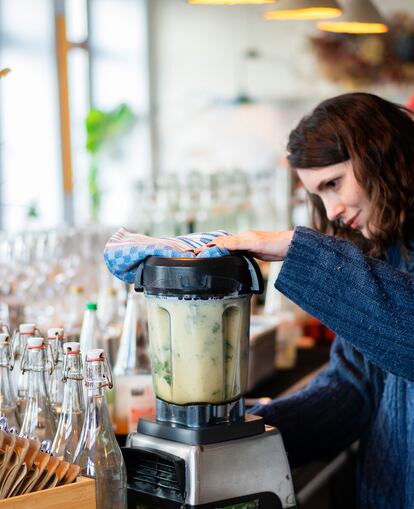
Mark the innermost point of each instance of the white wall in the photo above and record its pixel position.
(198, 59)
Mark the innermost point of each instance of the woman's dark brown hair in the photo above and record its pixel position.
(378, 137)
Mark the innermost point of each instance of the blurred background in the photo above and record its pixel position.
(169, 117)
(108, 100)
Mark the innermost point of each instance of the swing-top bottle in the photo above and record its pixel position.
(98, 453)
(73, 407)
(8, 407)
(39, 419)
(19, 378)
(55, 339)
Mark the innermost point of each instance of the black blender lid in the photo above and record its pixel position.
(224, 275)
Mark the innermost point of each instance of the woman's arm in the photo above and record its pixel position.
(364, 300)
(268, 246)
(310, 428)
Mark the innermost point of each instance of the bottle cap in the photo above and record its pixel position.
(27, 328)
(71, 347)
(92, 306)
(4, 338)
(95, 355)
(35, 342)
(55, 332)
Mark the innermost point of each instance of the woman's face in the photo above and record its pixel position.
(343, 198)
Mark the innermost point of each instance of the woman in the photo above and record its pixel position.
(355, 156)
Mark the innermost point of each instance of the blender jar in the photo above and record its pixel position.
(198, 321)
(199, 348)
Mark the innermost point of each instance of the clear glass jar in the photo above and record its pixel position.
(199, 348)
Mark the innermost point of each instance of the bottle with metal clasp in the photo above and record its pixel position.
(8, 407)
(55, 340)
(19, 378)
(39, 419)
(98, 453)
(73, 407)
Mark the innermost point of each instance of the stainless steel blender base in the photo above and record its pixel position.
(220, 475)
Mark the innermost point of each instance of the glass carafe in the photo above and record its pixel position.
(199, 347)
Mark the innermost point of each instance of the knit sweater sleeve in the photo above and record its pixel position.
(364, 300)
(309, 427)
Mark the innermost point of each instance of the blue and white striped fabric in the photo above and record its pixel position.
(125, 250)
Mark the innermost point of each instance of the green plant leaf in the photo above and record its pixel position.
(32, 211)
(103, 127)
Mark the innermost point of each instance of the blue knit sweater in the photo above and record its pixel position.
(367, 392)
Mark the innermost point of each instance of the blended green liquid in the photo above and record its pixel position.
(199, 348)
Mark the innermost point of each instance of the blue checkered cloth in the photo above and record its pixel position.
(124, 251)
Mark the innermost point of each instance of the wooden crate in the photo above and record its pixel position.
(80, 494)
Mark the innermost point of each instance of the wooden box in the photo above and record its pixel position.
(80, 494)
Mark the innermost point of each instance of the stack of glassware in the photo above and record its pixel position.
(184, 202)
(47, 277)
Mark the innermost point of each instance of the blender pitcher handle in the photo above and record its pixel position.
(138, 287)
(255, 273)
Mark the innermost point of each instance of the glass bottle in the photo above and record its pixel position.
(72, 321)
(39, 419)
(98, 453)
(8, 407)
(108, 316)
(19, 378)
(90, 336)
(108, 306)
(4, 328)
(134, 395)
(55, 339)
(73, 408)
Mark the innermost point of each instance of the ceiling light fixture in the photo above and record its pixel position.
(231, 2)
(303, 10)
(359, 17)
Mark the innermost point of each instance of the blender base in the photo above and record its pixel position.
(247, 473)
(249, 426)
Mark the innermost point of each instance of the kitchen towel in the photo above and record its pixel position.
(125, 250)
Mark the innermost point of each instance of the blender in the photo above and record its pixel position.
(202, 450)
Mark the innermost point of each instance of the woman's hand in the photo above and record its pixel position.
(268, 246)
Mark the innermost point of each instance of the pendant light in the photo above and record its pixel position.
(231, 2)
(303, 10)
(359, 17)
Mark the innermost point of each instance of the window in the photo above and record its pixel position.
(106, 56)
(29, 136)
